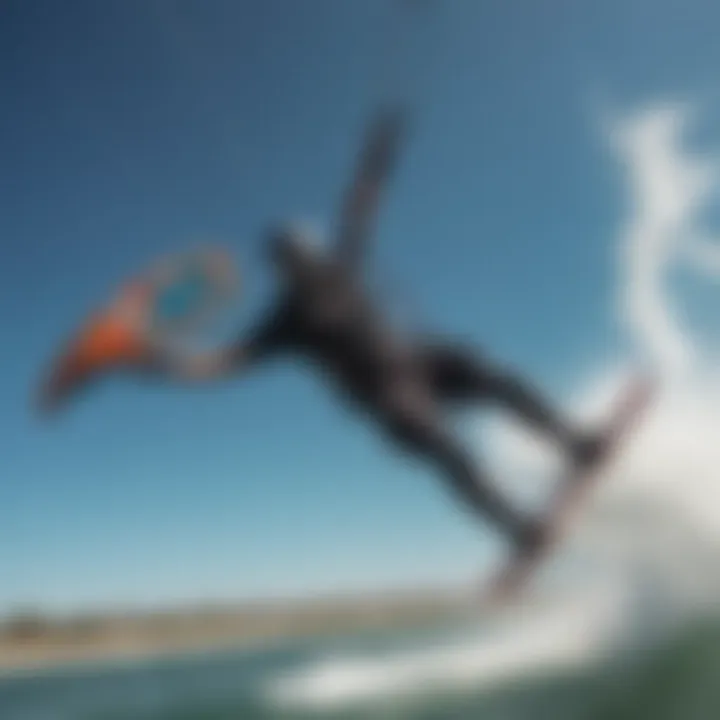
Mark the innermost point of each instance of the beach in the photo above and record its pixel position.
(33, 640)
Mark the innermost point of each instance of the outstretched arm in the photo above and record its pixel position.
(375, 166)
(201, 366)
(265, 340)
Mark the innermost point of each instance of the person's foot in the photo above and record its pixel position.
(532, 536)
(588, 450)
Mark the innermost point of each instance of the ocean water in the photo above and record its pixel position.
(441, 673)
(625, 625)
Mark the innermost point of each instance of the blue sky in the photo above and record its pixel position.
(131, 128)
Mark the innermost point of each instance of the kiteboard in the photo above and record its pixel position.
(171, 300)
(571, 495)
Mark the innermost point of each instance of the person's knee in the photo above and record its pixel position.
(460, 360)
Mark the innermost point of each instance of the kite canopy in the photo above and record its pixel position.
(175, 298)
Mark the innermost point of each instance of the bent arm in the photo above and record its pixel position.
(375, 166)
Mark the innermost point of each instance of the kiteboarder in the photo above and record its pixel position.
(401, 384)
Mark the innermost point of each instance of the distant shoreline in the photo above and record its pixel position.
(30, 644)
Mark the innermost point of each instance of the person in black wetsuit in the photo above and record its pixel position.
(402, 384)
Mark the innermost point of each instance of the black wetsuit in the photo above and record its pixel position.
(402, 384)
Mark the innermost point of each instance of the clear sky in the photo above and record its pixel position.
(129, 128)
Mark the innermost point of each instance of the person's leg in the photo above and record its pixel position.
(458, 374)
(426, 439)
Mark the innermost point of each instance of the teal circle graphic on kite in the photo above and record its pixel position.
(194, 292)
(185, 297)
